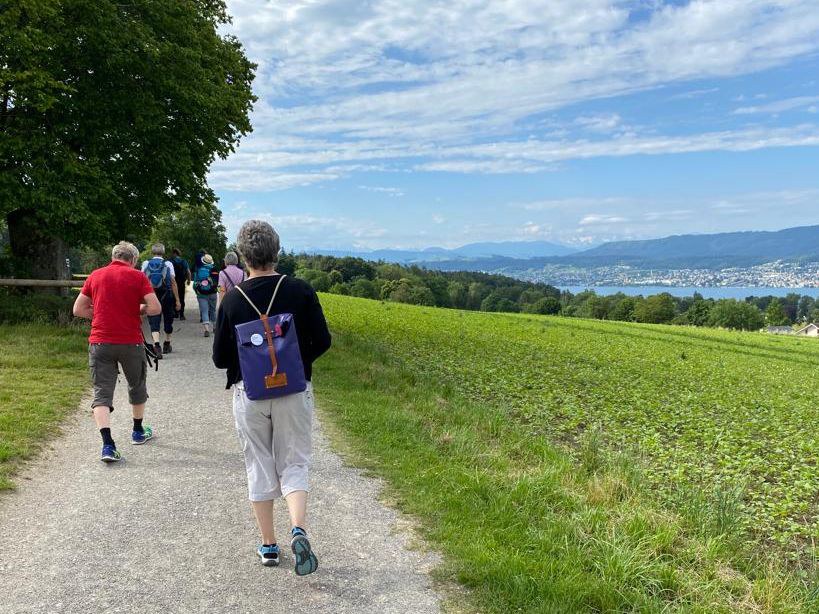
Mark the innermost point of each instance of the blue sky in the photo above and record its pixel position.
(410, 124)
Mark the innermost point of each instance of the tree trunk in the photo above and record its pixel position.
(37, 255)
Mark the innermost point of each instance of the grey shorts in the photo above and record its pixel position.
(105, 360)
(276, 441)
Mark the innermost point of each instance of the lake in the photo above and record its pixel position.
(715, 292)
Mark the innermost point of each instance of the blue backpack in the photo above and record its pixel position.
(156, 272)
(269, 355)
(202, 281)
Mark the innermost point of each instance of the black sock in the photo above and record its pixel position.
(106, 437)
(295, 530)
(138, 425)
(269, 545)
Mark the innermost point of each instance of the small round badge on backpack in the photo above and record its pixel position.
(256, 339)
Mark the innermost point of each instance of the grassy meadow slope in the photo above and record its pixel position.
(43, 374)
(573, 465)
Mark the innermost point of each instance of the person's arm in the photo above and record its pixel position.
(220, 289)
(187, 272)
(224, 340)
(150, 305)
(320, 338)
(83, 307)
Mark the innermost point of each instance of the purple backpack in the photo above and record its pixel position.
(269, 355)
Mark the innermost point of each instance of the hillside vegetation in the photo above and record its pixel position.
(498, 293)
(575, 465)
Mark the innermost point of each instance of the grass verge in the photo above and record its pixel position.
(43, 374)
(521, 523)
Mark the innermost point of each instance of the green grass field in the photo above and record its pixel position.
(43, 374)
(572, 465)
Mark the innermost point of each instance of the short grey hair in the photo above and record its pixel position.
(231, 258)
(127, 252)
(158, 249)
(259, 244)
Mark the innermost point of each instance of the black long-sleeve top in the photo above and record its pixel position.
(295, 296)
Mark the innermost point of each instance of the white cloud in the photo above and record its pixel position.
(604, 122)
(274, 170)
(437, 85)
(696, 94)
(392, 192)
(779, 106)
(596, 219)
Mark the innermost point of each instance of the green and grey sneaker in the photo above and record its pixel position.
(138, 438)
(110, 454)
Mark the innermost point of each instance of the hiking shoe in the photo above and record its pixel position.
(269, 555)
(110, 454)
(207, 333)
(158, 351)
(138, 438)
(166, 347)
(306, 561)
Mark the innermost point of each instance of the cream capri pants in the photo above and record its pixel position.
(275, 435)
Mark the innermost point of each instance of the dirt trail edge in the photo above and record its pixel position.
(169, 529)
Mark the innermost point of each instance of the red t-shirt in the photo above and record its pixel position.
(117, 292)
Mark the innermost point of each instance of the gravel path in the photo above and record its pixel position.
(169, 529)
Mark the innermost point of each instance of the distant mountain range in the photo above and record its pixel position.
(714, 252)
(520, 250)
(710, 252)
(731, 249)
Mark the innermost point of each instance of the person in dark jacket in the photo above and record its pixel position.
(275, 434)
(182, 274)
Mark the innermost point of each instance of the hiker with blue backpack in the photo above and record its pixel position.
(269, 330)
(206, 288)
(163, 280)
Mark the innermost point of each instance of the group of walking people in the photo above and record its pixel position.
(268, 330)
(170, 278)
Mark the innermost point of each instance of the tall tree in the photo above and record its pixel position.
(111, 113)
(191, 228)
(775, 314)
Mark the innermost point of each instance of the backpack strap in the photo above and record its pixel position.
(275, 292)
(273, 298)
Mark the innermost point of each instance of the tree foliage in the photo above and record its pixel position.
(775, 315)
(191, 228)
(112, 112)
(738, 315)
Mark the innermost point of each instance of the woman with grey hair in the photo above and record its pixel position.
(275, 434)
(229, 277)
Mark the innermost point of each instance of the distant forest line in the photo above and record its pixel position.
(497, 293)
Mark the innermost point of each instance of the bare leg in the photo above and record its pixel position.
(102, 416)
(263, 511)
(139, 411)
(297, 506)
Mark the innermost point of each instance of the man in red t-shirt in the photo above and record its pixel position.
(115, 298)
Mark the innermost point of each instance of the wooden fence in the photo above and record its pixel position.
(43, 283)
